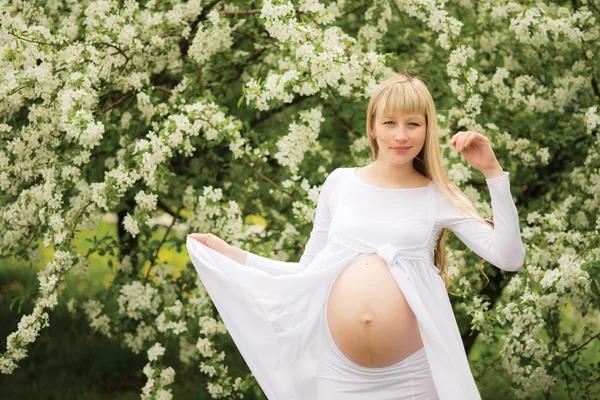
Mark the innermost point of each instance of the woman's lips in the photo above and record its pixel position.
(401, 149)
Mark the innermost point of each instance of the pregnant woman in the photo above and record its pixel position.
(365, 313)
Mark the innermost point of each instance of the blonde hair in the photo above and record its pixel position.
(404, 93)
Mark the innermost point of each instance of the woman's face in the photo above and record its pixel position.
(407, 130)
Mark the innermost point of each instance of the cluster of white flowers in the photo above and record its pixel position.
(537, 27)
(221, 387)
(458, 60)
(528, 153)
(209, 326)
(592, 120)
(214, 124)
(212, 38)
(476, 311)
(158, 378)
(131, 225)
(210, 215)
(205, 347)
(570, 279)
(98, 322)
(144, 104)
(155, 351)
(525, 322)
(177, 325)
(143, 334)
(30, 325)
(459, 173)
(146, 202)
(514, 285)
(432, 12)
(300, 139)
(529, 379)
(377, 21)
(320, 57)
(71, 304)
(136, 300)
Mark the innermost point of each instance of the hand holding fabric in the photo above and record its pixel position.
(218, 244)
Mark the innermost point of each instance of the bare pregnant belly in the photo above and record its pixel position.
(368, 316)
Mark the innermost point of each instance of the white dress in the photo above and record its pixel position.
(271, 308)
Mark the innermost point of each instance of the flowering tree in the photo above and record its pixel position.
(176, 108)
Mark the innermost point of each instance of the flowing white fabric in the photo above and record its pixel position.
(271, 308)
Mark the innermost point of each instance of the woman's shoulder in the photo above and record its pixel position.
(337, 173)
(334, 179)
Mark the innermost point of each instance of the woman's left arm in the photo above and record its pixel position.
(502, 245)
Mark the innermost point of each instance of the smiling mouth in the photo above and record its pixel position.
(402, 148)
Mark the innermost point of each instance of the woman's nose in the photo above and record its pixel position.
(400, 134)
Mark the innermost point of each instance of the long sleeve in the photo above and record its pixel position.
(318, 235)
(501, 246)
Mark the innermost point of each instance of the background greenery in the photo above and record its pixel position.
(68, 361)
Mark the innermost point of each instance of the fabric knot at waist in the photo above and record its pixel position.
(389, 251)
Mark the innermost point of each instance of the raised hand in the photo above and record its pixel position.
(477, 150)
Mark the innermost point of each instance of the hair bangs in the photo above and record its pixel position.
(400, 98)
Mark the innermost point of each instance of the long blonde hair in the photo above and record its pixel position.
(404, 93)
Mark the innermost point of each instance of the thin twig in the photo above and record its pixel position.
(248, 163)
(157, 250)
(116, 103)
(235, 12)
(576, 350)
(32, 12)
(35, 41)
(162, 88)
(487, 367)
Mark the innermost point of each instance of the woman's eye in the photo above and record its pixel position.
(392, 122)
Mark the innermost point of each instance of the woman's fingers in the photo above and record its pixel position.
(465, 139)
(210, 240)
(453, 140)
(459, 141)
(201, 237)
(456, 139)
(462, 139)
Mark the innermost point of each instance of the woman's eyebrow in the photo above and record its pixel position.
(409, 117)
